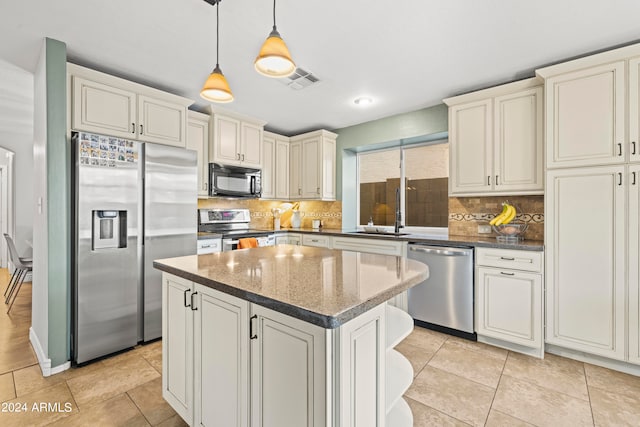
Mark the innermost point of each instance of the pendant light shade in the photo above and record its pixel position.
(274, 59)
(216, 88)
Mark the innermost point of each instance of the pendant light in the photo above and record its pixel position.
(274, 59)
(216, 88)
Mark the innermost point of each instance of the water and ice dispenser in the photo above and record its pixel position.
(109, 230)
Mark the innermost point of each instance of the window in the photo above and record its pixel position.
(424, 169)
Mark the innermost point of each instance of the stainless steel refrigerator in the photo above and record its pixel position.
(134, 202)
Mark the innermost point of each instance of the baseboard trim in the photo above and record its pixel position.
(581, 356)
(43, 360)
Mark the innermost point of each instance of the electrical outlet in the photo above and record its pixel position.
(484, 229)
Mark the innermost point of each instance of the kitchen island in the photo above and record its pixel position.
(286, 336)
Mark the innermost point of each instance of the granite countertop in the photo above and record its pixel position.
(451, 240)
(321, 286)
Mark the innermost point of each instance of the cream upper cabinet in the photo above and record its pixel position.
(198, 140)
(113, 106)
(585, 259)
(634, 109)
(275, 166)
(313, 166)
(235, 140)
(470, 147)
(585, 114)
(495, 139)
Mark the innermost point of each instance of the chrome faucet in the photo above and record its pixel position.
(397, 224)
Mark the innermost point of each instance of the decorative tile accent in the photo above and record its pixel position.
(330, 213)
(466, 213)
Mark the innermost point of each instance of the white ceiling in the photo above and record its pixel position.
(405, 54)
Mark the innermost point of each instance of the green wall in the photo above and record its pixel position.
(59, 204)
(428, 124)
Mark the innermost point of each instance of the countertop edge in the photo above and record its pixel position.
(324, 321)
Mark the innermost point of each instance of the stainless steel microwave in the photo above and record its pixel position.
(234, 181)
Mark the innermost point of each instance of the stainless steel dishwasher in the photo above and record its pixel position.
(444, 301)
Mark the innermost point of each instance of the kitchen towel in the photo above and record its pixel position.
(248, 242)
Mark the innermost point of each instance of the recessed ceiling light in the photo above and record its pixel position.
(363, 100)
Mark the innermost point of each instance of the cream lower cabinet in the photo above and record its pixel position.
(198, 140)
(509, 299)
(585, 259)
(177, 345)
(228, 362)
(289, 239)
(316, 240)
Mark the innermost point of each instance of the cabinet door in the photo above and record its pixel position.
(288, 382)
(198, 140)
(268, 177)
(470, 142)
(585, 280)
(177, 345)
(328, 169)
(295, 173)
(104, 109)
(634, 264)
(226, 140)
(317, 241)
(518, 141)
(634, 110)
(311, 180)
(585, 114)
(251, 145)
(221, 359)
(509, 306)
(282, 169)
(161, 121)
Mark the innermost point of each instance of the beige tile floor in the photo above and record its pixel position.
(457, 383)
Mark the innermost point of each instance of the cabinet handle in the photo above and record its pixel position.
(619, 149)
(193, 305)
(243, 157)
(317, 190)
(507, 274)
(507, 258)
(488, 179)
(299, 192)
(496, 179)
(141, 129)
(252, 336)
(185, 298)
(238, 154)
(633, 147)
(619, 178)
(133, 128)
(634, 178)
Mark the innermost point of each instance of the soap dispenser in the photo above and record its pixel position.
(370, 223)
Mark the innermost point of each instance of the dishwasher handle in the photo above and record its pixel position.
(438, 250)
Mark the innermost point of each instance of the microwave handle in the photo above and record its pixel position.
(252, 185)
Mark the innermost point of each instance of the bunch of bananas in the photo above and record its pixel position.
(506, 216)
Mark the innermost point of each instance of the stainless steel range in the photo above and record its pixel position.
(233, 225)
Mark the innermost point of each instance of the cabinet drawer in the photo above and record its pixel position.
(313, 240)
(510, 259)
(371, 246)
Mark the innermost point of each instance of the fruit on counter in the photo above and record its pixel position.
(506, 216)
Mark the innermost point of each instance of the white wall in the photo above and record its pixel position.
(16, 135)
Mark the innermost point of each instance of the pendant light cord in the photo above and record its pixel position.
(217, 32)
(274, 14)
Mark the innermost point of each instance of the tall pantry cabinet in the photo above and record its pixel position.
(592, 231)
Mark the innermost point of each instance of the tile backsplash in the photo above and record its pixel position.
(330, 213)
(466, 213)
